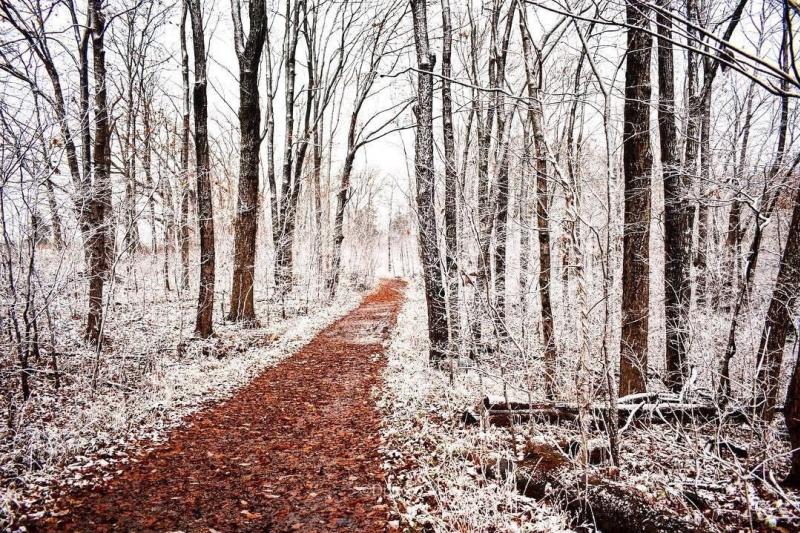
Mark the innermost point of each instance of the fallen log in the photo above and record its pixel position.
(608, 505)
(498, 412)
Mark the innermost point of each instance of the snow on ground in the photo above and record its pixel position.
(432, 462)
(74, 436)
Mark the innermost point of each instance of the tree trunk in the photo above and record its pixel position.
(778, 323)
(637, 163)
(762, 215)
(341, 203)
(148, 172)
(282, 243)
(677, 214)
(426, 206)
(183, 236)
(100, 200)
(501, 232)
(533, 72)
(270, 140)
(483, 281)
(733, 239)
(779, 314)
(703, 211)
(450, 181)
(55, 217)
(129, 150)
(205, 209)
(242, 307)
(791, 413)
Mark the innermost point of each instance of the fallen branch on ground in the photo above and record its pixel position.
(547, 474)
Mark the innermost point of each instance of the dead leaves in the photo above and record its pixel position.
(296, 448)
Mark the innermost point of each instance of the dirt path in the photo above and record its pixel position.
(295, 450)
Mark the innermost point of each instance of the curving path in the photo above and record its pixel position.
(294, 450)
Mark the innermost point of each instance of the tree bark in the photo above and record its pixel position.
(778, 324)
(242, 307)
(637, 164)
(733, 239)
(101, 198)
(282, 239)
(426, 206)
(205, 210)
(147, 158)
(791, 413)
(677, 214)
(450, 181)
(533, 72)
(183, 236)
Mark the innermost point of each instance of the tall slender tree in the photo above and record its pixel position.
(183, 230)
(677, 211)
(248, 52)
(204, 326)
(423, 170)
(533, 80)
(450, 180)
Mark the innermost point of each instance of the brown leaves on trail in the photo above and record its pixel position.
(295, 450)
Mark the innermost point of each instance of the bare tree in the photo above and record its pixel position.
(677, 212)
(423, 170)
(374, 54)
(533, 74)
(205, 209)
(450, 180)
(637, 162)
(249, 54)
(183, 235)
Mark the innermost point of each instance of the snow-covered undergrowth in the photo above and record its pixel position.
(432, 462)
(146, 385)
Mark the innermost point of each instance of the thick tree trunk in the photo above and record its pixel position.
(426, 206)
(205, 209)
(778, 322)
(242, 307)
(637, 163)
(791, 413)
(677, 214)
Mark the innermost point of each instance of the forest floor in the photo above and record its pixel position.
(297, 449)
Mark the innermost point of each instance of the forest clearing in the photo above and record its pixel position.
(400, 265)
